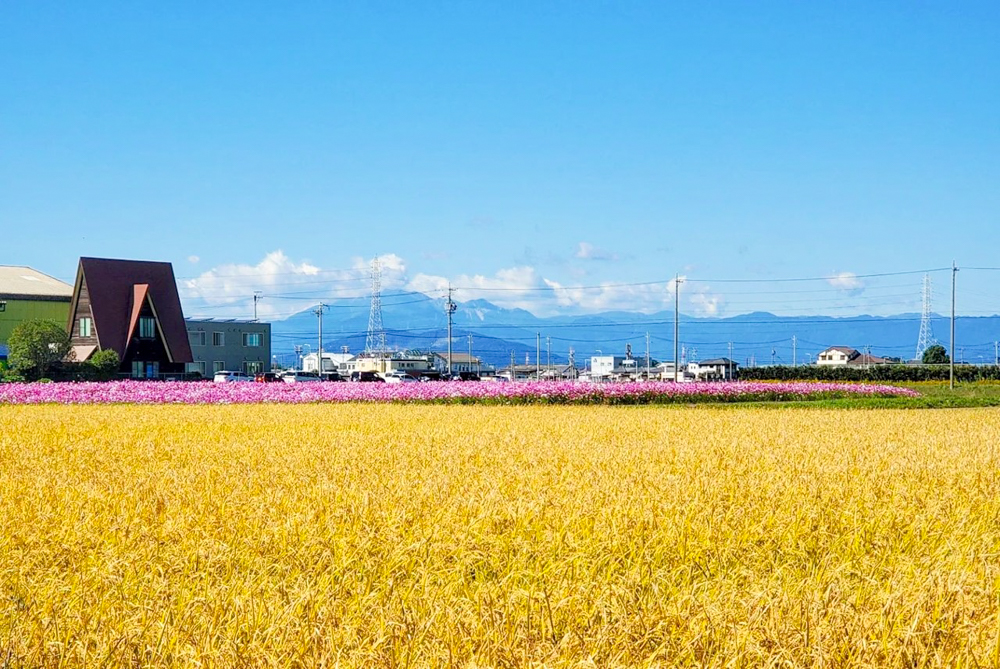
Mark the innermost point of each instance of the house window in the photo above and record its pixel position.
(218, 366)
(3, 305)
(252, 339)
(147, 328)
(197, 338)
(197, 367)
(86, 325)
(253, 366)
(145, 370)
(218, 339)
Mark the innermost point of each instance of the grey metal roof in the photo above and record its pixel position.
(18, 281)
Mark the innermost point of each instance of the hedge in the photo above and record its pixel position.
(880, 373)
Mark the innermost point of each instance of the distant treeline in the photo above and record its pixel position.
(888, 373)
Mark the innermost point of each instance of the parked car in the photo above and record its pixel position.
(399, 377)
(332, 376)
(293, 376)
(267, 377)
(229, 377)
(366, 377)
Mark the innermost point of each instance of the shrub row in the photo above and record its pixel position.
(880, 373)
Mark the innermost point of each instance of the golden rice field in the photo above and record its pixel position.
(469, 536)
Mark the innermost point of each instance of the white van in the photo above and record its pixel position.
(293, 376)
(229, 377)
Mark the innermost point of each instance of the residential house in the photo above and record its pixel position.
(527, 372)
(130, 307)
(716, 369)
(228, 344)
(866, 359)
(460, 363)
(383, 364)
(560, 373)
(843, 356)
(667, 371)
(332, 362)
(27, 294)
(616, 368)
(835, 356)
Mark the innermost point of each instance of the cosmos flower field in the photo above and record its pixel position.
(391, 534)
(148, 392)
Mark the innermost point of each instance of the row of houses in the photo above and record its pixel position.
(133, 308)
(413, 364)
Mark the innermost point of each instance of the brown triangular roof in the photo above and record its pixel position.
(118, 289)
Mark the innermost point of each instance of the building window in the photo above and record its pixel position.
(197, 367)
(85, 327)
(147, 328)
(3, 305)
(253, 366)
(218, 339)
(145, 370)
(218, 366)
(252, 339)
(196, 338)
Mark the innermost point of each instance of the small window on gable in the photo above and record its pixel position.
(147, 328)
(86, 327)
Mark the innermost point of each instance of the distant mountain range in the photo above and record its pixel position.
(414, 321)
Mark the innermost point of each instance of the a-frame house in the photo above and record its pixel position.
(131, 307)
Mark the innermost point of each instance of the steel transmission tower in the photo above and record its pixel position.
(375, 342)
(926, 338)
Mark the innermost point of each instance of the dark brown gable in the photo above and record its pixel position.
(111, 288)
(80, 308)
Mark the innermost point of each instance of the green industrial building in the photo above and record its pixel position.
(26, 294)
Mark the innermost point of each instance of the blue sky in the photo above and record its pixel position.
(527, 147)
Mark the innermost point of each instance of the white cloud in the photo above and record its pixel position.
(193, 260)
(706, 304)
(586, 251)
(847, 281)
(514, 287)
(288, 286)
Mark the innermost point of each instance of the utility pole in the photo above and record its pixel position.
(794, 359)
(319, 354)
(450, 308)
(951, 357)
(548, 355)
(538, 356)
(513, 375)
(647, 356)
(470, 351)
(298, 354)
(730, 361)
(257, 297)
(677, 306)
(996, 353)
(572, 360)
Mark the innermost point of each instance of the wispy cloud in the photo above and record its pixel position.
(587, 251)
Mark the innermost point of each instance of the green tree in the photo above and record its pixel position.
(33, 346)
(105, 364)
(935, 355)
